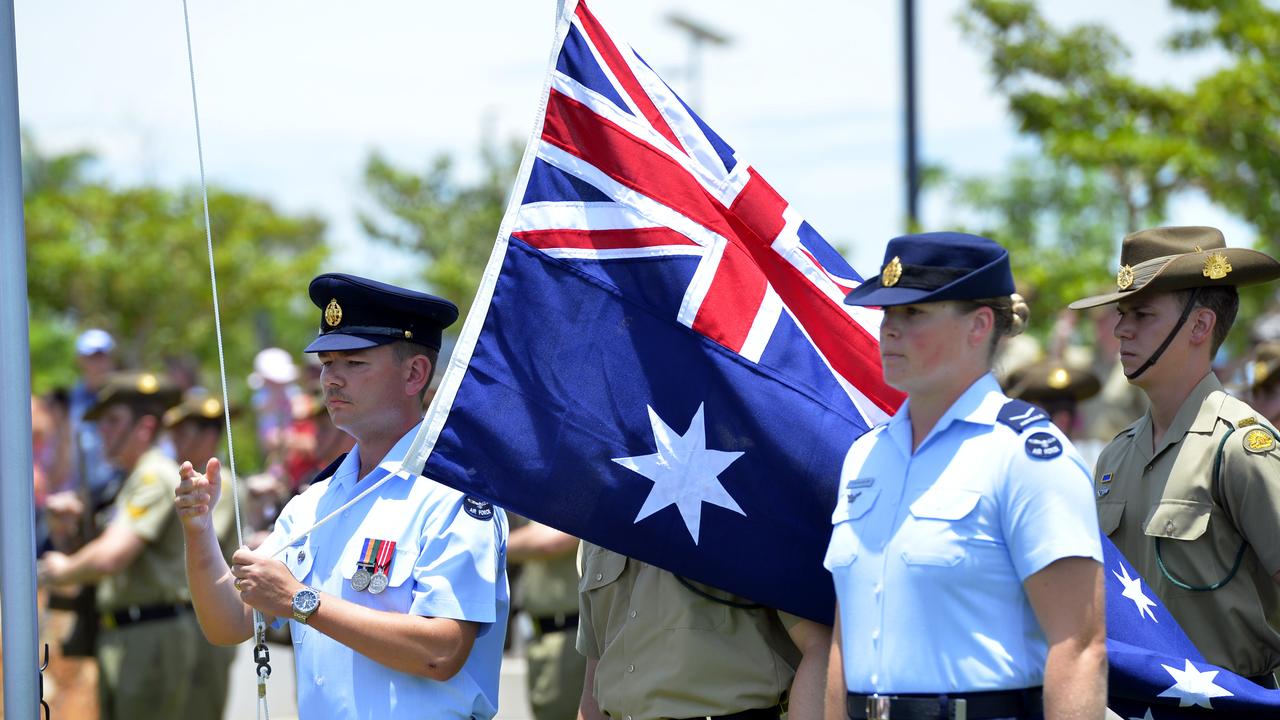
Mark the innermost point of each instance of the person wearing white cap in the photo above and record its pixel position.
(274, 383)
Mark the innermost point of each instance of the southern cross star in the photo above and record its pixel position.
(1193, 687)
(1133, 591)
(1147, 716)
(684, 472)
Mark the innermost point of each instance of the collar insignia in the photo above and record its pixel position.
(333, 313)
(1216, 266)
(1124, 278)
(892, 273)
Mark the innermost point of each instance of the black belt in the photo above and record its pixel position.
(135, 614)
(772, 713)
(555, 623)
(961, 706)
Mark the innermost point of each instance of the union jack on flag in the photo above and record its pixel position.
(659, 359)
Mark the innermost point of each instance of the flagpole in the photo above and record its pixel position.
(17, 534)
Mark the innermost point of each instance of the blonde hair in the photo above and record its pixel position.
(1011, 316)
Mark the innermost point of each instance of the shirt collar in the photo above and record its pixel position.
(345, 475)
(979, 404)
(1195, 415)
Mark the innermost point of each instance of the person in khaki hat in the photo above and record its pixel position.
(1057, 388)
(1190, 492)
(1264, 380)
(195, 427)
(148, 644)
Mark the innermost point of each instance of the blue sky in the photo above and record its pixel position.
(294, 95)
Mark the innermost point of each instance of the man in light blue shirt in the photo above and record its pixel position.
(396, 585)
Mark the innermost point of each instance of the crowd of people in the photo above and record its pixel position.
(965, 548)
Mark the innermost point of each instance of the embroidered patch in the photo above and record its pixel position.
(1043, 446)
(477, 508)
(135, 511)
(1020, 415)
(1259, 441)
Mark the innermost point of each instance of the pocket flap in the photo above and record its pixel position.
(1179, 519)
(1109, 514)
(854, 504)
(945, 504)
(601, 567)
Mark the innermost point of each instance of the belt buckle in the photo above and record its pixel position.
(959, 709)
(878, 707)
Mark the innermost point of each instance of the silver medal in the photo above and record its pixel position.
(378, 582)
(360, 580)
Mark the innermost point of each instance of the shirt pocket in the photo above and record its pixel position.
(1178, 519)
(845, 542)
(939, 530)
(1109, 515)
(600, 567)
(298, 557)
(382, 524)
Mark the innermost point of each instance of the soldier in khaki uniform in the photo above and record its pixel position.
(147, 646)
(1190, 493)
(660, 646)
(547, 590)
(195, 428)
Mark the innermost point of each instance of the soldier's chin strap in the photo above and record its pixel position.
(1186, 313)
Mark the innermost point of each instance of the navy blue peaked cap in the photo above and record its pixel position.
(937, 266)
(358, 313)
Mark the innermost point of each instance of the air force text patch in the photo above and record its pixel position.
(1043, 446)
(477, 508)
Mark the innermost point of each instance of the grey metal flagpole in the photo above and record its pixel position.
(17, 497)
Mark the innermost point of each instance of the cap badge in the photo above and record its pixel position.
(211, 408)
(1124, 278)
(1059, 379)
(332, 313)
(148, 384)
(892, 273)
(1216, 266)
(1260, 371)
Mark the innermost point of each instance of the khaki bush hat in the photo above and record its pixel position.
(143, 391)
(197, 404)
(1046, 381)
(1180, 258)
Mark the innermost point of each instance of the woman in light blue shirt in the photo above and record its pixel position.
(964, 547)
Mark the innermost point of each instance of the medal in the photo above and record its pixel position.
(364, 566)
(360, 580)
(386, 553)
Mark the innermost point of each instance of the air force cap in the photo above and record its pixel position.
(358, 313)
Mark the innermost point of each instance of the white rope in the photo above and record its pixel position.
(259, 624)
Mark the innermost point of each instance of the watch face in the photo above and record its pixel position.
(306, 600)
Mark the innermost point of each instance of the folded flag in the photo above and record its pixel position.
(658, 359)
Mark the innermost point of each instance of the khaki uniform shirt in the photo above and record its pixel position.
(157, 576)
(662, 651)
(1170, 495)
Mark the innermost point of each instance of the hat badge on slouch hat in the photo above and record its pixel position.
(1124, 278)
(1216, 266)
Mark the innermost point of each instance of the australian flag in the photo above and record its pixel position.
(1156, 673)
(658, 359)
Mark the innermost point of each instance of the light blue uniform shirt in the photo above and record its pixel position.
(450, 562)
(929, 550)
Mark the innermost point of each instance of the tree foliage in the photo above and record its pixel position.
(1071, 89)
(134, 261)
(451, 222)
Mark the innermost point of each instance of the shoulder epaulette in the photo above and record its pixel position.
(1020, 415)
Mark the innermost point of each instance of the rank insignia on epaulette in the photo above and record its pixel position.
(1259, 441)
(1247, 422)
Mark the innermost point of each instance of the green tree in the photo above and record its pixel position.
(134, 261)
(451, 222)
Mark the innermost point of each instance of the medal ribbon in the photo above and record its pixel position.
(385, 551)
(368, 552)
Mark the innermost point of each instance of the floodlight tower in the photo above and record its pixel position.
(700, 35)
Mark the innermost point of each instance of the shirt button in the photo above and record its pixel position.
(633, 613)
(1168, 527)
(346, 513)
(631, 668)
(319, 680)
(875, 634)
(599, 577)
(875, 679)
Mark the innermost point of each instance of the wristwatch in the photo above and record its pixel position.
(305, 602)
